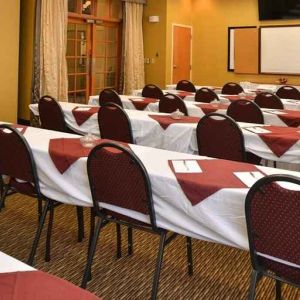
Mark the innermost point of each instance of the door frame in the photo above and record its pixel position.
(172, 49)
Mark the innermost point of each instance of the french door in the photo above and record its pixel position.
(93, 53)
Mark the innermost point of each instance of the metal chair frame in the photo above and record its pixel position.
(257, 270)
(104, 219)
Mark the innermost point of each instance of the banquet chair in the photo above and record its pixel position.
(268, 100)
(114, 123)
(152, 91)
(51, 115)
(272, 215)
(18, 164)
(206, 95)
(288, 92)
(245, 111)
(119, 181)
(232, 88)
(110, 95)
(219, 136)
(170, 103)
(185, 85)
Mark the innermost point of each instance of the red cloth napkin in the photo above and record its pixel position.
(183, 94)
(82, 116)
(210, 108)
(36, 285)
(64, 152)
(237, 97)
(216, 174)
(22, 128)
(166, 121)
(141, 105)
(280, 139)
(291, 118)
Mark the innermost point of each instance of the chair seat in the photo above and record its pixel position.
(26, 188)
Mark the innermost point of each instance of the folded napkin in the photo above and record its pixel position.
(82, 114)
(237, 97)
(208, 108)
(216, 174)
(142, 103)
(166, 121)
(36, 285)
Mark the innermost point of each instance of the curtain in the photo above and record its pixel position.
(133, 47)
(53, 43)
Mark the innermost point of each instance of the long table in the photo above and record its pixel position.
(19, 281)
(218, 216)
(290, 104)
(275, 117)
(181, 137)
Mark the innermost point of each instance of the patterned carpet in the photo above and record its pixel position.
(219, 272)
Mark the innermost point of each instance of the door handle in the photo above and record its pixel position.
(174, 66)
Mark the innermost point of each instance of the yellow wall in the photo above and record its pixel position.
(26, 57)
(210, 20)
(155, 42)
(9, 59)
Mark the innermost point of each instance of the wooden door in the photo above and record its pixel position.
(182, 38)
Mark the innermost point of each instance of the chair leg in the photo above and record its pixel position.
(119, 241)
(189, 255)
(254, 278)
(87, 271)
(130, 240)
(38, 233)
(274, 164)
(80, 221)
(49, 231)
(40, 208)
(278, 290)
(3, 196)
(158, 265)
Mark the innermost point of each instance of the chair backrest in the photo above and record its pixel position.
(232, 88)
(170, 103)
(114, 123)
(117, 177)
(205, 95)
(16, 159)
(152, 91)
(51, 114)
(185, 85)
(109, 96)
(272, 216)
(288, 92)
(268, 100)
(245, 111)
(219, 136)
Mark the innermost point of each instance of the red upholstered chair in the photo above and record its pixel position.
(152, 91)
(288, 92)
(232, 88)
(272, 216)
(114, 123)
(170, 103)
(110, 96)
(17, 162)
(185, 85)
(118, 179)
(268, 100)
(245, 111)
(206, 95)
(51, 115)
(219, 136)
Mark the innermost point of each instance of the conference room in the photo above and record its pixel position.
(150, 149)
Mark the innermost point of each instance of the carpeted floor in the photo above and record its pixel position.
(219, 272)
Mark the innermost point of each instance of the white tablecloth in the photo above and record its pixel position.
(9, 264)
(177, 137)
(219, 218)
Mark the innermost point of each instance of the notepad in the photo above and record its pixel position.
(249, 178)
(257, 130)
(83, 108)
(277, 112)
(186, 166)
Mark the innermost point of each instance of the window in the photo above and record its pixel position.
(93, 47)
